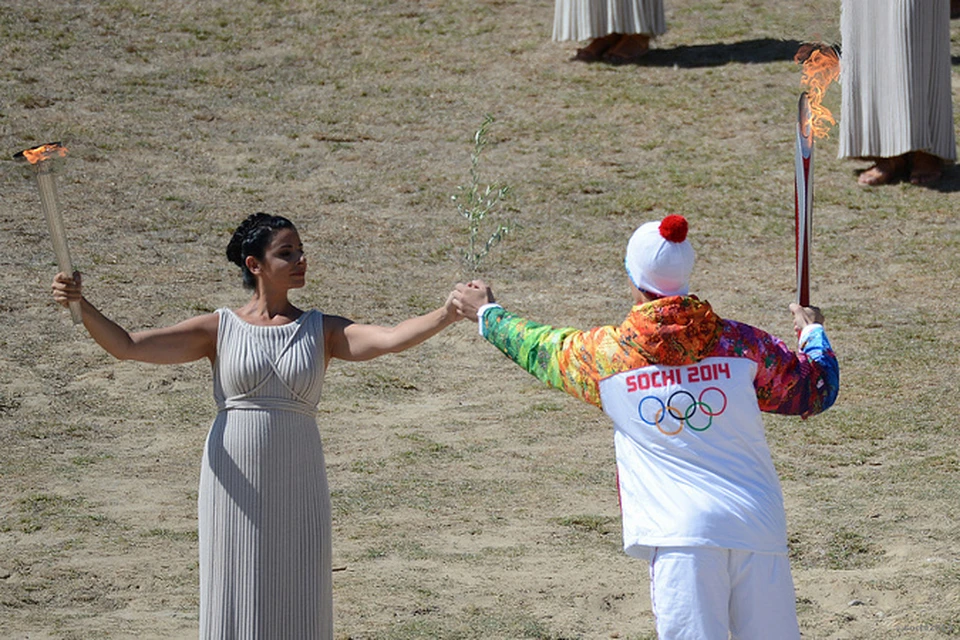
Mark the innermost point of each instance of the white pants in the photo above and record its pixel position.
(707, 593)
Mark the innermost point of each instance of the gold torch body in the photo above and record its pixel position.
(41, 159)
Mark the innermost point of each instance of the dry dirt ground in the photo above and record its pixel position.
(469, 502)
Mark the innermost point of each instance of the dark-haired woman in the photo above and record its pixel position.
(264, 506)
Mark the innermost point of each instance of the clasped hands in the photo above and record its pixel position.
(468, 298)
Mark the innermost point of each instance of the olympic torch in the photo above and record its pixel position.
(821, 66)
(42, 160)
(803, 199)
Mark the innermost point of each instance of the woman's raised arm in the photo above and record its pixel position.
(186, 341)
(349, 340)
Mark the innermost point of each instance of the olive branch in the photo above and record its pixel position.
(480, 205)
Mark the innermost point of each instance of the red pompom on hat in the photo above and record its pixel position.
(674, 228)
(660, 258)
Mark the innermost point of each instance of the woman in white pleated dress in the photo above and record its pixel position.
(896, 104)
(264, 505)
(619, 30)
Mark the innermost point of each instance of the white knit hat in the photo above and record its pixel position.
(660, 258)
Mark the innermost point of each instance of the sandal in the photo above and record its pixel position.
(926, 169)
(885, 171)
(629, 49)
(597, 47)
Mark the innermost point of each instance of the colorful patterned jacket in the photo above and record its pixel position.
(685, 390)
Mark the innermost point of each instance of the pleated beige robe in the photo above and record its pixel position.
(264, 504)
(895, 78)
(588, 19)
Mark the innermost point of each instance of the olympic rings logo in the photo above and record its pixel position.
(687, 410)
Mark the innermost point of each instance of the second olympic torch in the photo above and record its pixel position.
(42, 160)
(803, 198)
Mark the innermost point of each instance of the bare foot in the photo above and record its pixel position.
(629, 48)
(885, 171)
(927, 168)
(597, 47)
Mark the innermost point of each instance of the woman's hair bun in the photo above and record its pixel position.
(235, 247)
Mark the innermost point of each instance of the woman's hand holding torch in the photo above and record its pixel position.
(68, 289)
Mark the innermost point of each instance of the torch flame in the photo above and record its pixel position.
(821, 66)
(44, 152)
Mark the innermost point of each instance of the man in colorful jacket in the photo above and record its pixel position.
(699, 495)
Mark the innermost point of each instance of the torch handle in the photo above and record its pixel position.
(803, 199)
(51, 211)
(804, 224)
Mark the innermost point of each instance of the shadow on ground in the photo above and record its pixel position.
(714, 55)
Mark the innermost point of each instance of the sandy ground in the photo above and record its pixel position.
(468, 501)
